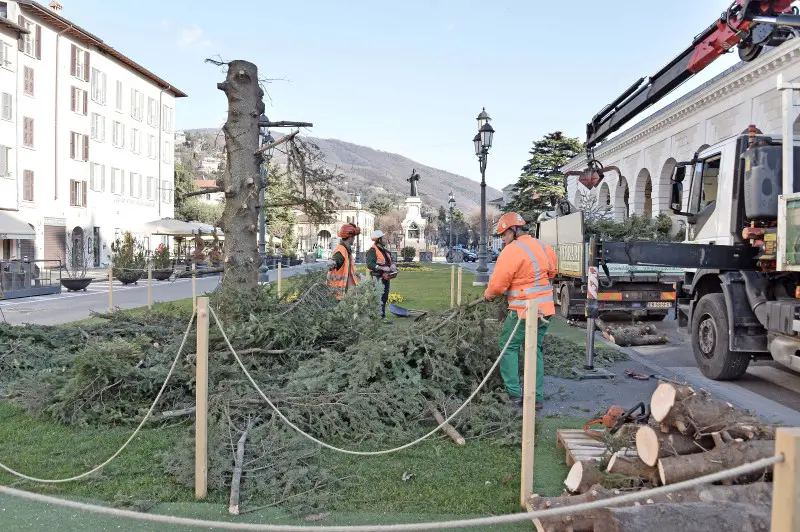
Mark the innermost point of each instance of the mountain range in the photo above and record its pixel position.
(375, 174)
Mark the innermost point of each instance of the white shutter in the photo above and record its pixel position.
(95, 124)
(102, 125)
(7, 111)
(3, 161)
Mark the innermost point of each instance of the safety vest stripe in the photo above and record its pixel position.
(544, 252)
(521, 303)
(532, 290)
(532, 257)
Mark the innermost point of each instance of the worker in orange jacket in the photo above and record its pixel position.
(341, 265)
(523, 272)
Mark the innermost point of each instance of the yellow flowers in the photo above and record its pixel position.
(395, 298)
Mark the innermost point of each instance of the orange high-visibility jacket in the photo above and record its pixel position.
(523, 271)
(341, 278)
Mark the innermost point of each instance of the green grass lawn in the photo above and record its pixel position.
(448, 482)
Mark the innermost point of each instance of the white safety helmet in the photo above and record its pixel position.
(377, 234)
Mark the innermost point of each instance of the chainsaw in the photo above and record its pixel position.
(616, 417)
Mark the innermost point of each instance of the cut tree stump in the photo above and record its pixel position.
(582, 476)
(679, 468)
(632, 468)
(695, 414)
(685, 517)
(758, 494)
(652, 445)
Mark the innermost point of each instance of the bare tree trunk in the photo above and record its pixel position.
(241, 177)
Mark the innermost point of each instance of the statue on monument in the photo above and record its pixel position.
(413, 180)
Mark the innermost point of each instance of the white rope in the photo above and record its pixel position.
(346, 451)
(124, 445)
(405, 527)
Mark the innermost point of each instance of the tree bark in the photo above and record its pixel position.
(632, 467)
(236, 479)
(582, 476)
(447, 428)
(758, 494)
(686, 517)
(679, 468)
(241, 177)
(697, 415)
(652, 445)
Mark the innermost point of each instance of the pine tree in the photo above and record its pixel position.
(542, 183)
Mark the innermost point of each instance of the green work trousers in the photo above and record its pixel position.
(509, 364)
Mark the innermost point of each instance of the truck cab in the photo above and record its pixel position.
(729, 195)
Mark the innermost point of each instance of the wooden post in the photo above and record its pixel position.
(150, 286)
(194, 286)
(279, 279)
(529, 401)
(201, 403)
(110, 288)
(460, 275)
(453, 286)
(786, 482)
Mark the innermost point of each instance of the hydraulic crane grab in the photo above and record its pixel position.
(749, 25)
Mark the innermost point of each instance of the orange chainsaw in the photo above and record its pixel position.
(616, 417)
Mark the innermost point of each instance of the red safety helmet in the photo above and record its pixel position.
(349, 230)
(509, 220)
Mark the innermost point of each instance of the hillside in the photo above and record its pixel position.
(375, 173)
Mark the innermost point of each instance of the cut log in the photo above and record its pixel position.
(447, 428)
(649, 339)
(758, 494)
(695, 414)
(632, 467)
(582, 476)
(652, 445)
(679, 468)
(580, 523)
(630, 336)
(686, 517)
(641, 328)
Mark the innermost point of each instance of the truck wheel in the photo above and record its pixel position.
(710, 341)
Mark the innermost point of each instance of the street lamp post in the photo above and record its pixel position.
(483, 142)
(264, 137)
(452, 203)
(358, 224)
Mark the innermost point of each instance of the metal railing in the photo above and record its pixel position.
(23, 278)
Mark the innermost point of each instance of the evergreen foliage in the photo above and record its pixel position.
(541, 183)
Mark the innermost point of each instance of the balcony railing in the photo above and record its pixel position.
(25, 278)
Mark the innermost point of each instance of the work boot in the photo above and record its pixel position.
(515, 401)
(539, 405)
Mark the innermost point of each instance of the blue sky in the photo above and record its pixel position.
(410, 77)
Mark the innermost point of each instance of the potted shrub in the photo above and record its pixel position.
(408, 253)
(199, 254)
(128, 259)
(162, 264)
(76, 261)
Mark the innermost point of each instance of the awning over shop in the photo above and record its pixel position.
(12, 228)
(167, 226)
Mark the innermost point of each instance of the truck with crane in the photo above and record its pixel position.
(739, 297)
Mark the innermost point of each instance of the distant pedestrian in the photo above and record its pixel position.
(380, 265)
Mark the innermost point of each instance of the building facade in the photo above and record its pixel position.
(86, 135)
(313, 236)
(724, 107)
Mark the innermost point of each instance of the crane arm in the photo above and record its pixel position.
(748, 24)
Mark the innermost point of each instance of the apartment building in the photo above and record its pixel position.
(86, 137)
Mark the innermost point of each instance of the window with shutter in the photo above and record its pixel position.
(83, 191)
(27, 132)
(38, 44)
(73, 193)
(73, 101)
(119, 97)
(27, 185)
(85, 147)
(28, 81)
(5, 151)
(85, 66)
(72, 145)
(85, 102)
(6, 113)
(73, 60)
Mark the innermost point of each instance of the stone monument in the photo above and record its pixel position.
(414, 224)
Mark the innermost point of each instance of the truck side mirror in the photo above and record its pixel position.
(676, 197)
(676, 200)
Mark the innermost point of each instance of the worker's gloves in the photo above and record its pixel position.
(331, 264)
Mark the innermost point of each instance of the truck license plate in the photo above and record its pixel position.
(659, 304)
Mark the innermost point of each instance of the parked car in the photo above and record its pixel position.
(470, 256)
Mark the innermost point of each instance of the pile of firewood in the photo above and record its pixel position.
(693, 435)
(631, 334)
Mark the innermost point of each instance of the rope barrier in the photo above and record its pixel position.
(405, 527)
(135, 432)
(347, 451)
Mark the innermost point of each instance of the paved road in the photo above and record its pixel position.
(73, 306)
(768, 388)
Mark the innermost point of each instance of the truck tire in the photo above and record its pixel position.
(564, 304)
(710, 341)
